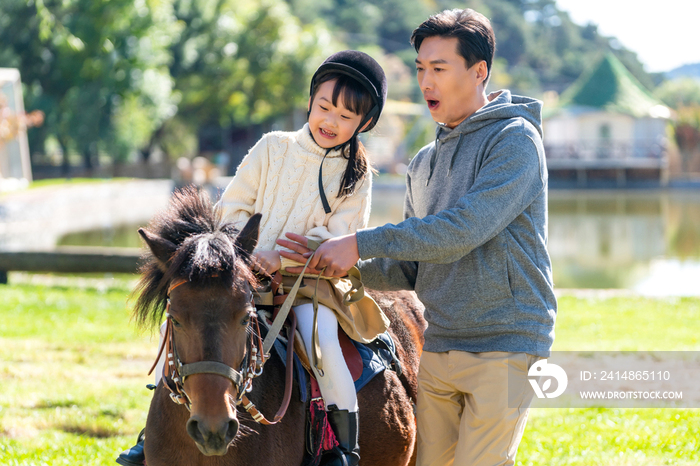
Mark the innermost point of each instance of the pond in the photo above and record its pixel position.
(645, 241)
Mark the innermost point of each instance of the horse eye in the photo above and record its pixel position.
(245, 320)
(175, 322)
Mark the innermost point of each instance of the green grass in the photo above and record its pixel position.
(611, 437)
(618, 437)
(627, 323)
(73, 376)
(71, 181)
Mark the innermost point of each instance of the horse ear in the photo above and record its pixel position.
(161, 248)
(247, 239)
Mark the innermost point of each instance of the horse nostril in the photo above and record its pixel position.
(193, 430)
(232, 430)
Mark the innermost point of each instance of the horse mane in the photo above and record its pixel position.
(206, 254)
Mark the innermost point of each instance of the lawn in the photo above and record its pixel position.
(73, 375)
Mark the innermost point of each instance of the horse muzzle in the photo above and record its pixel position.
(212, 440)
(213, 423)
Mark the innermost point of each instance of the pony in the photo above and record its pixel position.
(196, 274)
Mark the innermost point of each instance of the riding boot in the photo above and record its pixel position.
(346, 427)
(134, 456)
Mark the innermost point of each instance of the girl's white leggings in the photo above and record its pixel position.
(337, 386)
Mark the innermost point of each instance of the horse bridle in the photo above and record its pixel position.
(175, 372)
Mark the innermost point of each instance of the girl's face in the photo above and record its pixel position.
(331, 125)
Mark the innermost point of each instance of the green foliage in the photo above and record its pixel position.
(539, 45)
(242, 63)
(677, 93)
(686, 132)
(111, 75)
(83, 61)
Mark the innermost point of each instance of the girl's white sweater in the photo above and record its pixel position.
(279, 178)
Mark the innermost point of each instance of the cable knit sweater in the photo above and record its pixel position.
(279, 178)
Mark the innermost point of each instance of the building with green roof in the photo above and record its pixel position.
(607, 128)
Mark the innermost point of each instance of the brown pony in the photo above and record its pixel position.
(197, 270)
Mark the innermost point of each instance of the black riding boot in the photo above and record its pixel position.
(346, 427)
(134, 456)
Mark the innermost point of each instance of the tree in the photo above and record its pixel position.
(242, 63)
(94, 68)
(686, 130)
(237, 63)
(677, 93)
(683, 95)
(542, 48)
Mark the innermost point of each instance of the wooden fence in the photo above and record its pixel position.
(71, 259)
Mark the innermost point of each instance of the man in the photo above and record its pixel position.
(472, 246)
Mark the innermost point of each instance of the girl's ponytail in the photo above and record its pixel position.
(357, 168)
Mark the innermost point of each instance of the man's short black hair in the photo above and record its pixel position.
(472, 29)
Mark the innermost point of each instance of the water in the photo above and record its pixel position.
(648, 242)
(645, 241)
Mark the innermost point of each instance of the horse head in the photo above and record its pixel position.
(199, 276)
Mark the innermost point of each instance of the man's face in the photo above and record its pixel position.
(452, 91)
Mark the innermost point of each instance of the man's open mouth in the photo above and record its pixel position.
(433, 104)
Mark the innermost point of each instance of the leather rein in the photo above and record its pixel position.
(257, 354)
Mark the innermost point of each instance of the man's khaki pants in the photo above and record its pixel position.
(472, 407)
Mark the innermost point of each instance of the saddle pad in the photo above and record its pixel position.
(376, 357)
(373, 359)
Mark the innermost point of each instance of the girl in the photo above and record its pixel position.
(316, 182)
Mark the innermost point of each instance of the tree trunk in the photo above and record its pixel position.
(65, 164)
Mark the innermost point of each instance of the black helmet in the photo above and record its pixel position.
(365, 70)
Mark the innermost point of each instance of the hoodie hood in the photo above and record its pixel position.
(502, 105)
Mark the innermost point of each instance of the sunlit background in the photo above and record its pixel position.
(142, 96)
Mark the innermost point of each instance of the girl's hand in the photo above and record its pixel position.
(267, 262)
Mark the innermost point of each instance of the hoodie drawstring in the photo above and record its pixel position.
(454, 154)
(434, 155)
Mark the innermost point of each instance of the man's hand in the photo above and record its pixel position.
(267, 262)
(337, 255)
(301, 252)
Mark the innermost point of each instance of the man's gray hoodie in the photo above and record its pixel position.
(473, 244)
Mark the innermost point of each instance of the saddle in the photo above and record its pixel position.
(365, 361)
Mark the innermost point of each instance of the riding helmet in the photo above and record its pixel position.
(365, 70)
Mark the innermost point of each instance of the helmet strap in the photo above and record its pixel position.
(321, 191)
